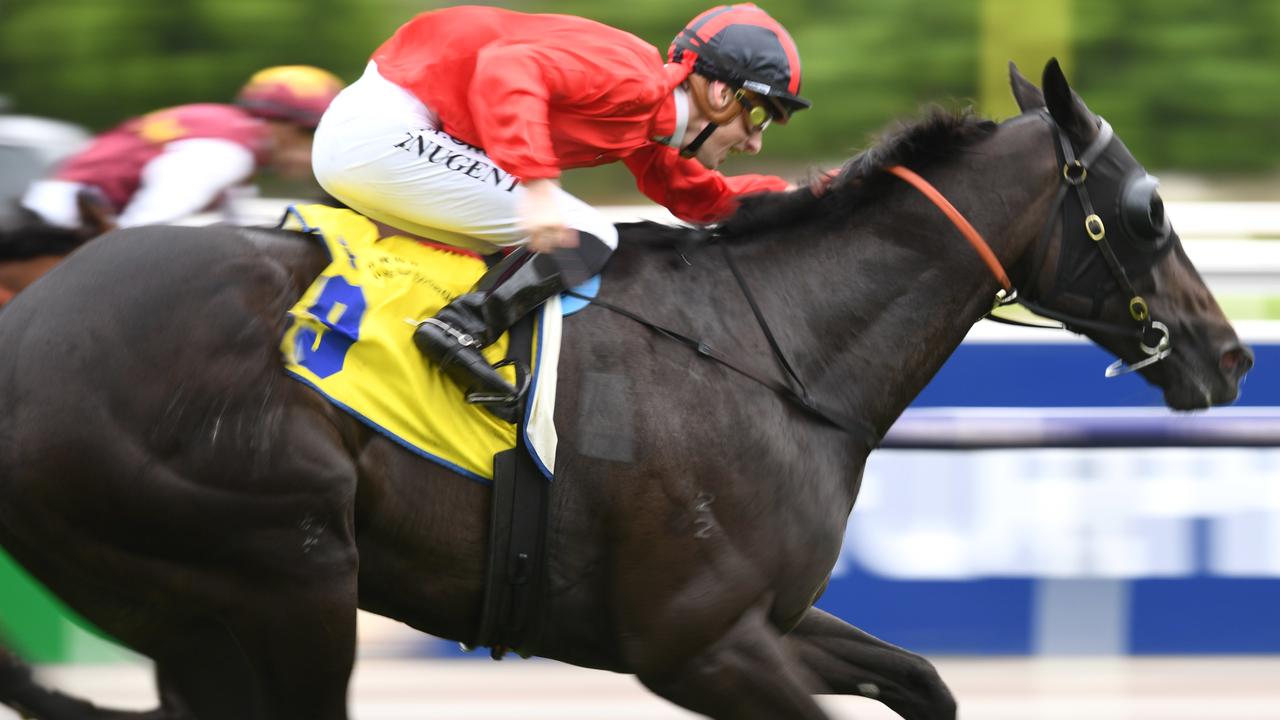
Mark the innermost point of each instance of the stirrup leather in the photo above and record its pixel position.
(515, 398)
(464, 339)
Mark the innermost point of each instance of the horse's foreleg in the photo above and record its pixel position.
(851, 662)
(745, 674)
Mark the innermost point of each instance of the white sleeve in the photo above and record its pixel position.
(186, 178)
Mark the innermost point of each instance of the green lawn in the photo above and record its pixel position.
(1251, 307)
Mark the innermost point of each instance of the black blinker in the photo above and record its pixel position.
(1142, 209)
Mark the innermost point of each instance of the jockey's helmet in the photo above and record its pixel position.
(744, 47)
(294, 93)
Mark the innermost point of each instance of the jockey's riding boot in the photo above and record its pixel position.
(454, 337)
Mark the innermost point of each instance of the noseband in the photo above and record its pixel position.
(1152, 335)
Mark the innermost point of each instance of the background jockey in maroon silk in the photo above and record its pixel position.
(459, 100)
(171, 163)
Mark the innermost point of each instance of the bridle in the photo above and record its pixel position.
(1152, 335)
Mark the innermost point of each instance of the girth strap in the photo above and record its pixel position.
(516, 569)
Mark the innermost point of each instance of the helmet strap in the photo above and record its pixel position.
(692, 148)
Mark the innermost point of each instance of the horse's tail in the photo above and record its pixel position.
(15, 678)
(20, 691)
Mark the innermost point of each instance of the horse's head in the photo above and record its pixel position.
(1109, 264)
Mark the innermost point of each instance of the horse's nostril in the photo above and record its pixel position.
(1238, 360)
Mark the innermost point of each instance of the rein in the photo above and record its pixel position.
(1152, 335)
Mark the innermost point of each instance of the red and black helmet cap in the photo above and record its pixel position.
(743, 46)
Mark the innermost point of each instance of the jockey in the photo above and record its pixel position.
(464, 119)
(171, 163)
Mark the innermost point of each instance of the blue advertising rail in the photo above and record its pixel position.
(1169, 545)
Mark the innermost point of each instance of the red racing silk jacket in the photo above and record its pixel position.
(546, 93)
(114, 160)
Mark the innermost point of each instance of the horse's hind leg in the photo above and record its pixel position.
(851, 662)
(287, 659)
(744, 675)
(248, 609)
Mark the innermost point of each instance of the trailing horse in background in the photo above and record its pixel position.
(29, 250)
(30, 247)
(162, 475)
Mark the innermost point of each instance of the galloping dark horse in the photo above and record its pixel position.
(162, 475)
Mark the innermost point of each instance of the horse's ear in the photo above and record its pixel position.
(1028, 96)
(1065, 105)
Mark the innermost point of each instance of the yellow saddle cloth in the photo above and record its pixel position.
(350, 337)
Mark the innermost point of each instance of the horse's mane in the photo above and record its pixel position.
(937, 135)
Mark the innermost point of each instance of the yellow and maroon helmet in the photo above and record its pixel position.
(295, 93)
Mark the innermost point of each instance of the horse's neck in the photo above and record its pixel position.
(867, 335)
(913, 328)
(871, 319)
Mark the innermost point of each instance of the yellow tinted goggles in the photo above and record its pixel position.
(755, 113)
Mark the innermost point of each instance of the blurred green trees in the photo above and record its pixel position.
(1191, 84)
